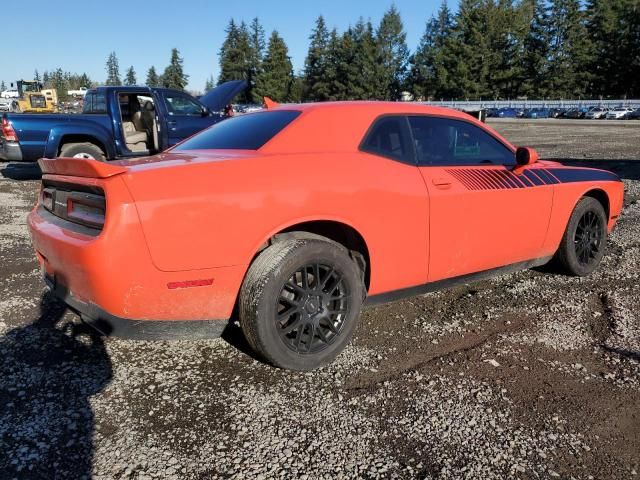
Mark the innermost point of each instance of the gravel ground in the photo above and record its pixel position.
(530, 375)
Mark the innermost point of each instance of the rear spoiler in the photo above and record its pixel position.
(79, 167)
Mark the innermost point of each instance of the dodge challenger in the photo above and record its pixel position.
(294, 218)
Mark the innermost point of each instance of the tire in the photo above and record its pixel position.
(296, 321)
(82, 150)
(584, 241)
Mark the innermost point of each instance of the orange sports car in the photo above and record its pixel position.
(295, 217)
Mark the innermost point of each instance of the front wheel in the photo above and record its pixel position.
(300, 302)
(584, 241)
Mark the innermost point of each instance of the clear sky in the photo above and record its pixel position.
(78, 35)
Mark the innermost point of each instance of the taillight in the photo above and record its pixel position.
(8, 132)
(86, 209)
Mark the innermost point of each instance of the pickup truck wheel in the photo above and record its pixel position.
(82, 150)
(300, 302)
(585, 239)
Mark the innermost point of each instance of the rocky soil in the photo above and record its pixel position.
(530, 375)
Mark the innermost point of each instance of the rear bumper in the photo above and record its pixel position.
(10, 151)
(112, 325)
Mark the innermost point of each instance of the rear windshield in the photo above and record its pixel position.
(244, 132)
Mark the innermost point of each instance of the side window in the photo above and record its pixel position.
(182, 105)
(389, 137)
(94, 103)
(443, 141)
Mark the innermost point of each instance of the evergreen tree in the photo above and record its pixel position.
(429, 75)
(569, 50)
(393, 55)
(152, 77)
(130, 78)
(174, 76)
(316, 86)
(45, 78)
(614, 26)
(209, 84)
(297, 88)
(235, 56)
(277, 72)
(337, 89)
(85, 81)
(60, 84)
(113, 70)
(357, 64)
(36, 76)
(256, 55)
(3, 87)
(536, 55)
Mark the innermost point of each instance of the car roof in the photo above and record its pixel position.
(346, 123)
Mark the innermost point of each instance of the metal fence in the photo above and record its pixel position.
(476, 105)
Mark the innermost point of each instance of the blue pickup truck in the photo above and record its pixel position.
(117, 122)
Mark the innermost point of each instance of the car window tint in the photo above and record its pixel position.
(443, 141)
(94, 103)
(244, 132)
(182, 105)
(389, 137)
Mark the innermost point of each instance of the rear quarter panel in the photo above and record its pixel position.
(205, 214)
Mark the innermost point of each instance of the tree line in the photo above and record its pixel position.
(486, 49)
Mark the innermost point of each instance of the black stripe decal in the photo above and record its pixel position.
(533, 178)
(570, 175)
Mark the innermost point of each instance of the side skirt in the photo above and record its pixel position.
(394, 295)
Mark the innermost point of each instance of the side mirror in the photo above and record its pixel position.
(526, 156)
(205, 111)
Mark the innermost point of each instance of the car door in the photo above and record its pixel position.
(185, 116)
(482, 214)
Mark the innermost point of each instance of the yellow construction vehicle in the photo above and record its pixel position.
(33, 99)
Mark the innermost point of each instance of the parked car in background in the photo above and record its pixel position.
(537, 113)
(394, 200)
(575, 113)
(557, 112)
(596, 113)
(81, 92)
(116, 122)
(618, 113)
(634, 115)
(507, 112)
(10, 93)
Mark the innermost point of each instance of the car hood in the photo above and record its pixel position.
(222, 95)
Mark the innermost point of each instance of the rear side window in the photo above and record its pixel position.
(94, 103)
(445, 141)
(244, 132)
(389, 137)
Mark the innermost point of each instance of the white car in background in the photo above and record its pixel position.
(10, 93)
(618, 113)
(597, 112)
(81, 92)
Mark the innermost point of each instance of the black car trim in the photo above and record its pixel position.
(134, 329)
(451, 282)
(571, 175)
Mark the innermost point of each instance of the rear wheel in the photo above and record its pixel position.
(300, 302)
(82, 150)
(584, 241)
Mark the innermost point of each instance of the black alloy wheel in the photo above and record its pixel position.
(588, 237)
(300, 301)
(311, 308)
(585, 239)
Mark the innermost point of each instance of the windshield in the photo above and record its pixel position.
(244, 132)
